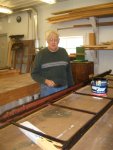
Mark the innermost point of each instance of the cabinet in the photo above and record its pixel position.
(81, 71)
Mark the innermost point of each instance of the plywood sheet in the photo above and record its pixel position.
(100, 136)
(88, 103)
(87, 90)
(11, 138)
(57, 122)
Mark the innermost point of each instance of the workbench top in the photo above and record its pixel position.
(4, 73)
(16, 87)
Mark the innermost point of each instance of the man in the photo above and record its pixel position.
(52, 67)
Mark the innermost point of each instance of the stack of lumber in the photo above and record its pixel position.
(84, 12)
(103, 46)
(109, 44)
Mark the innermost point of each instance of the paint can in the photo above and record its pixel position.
(99, 86)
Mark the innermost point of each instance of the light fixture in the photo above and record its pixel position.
(5, 10)
(49, 1)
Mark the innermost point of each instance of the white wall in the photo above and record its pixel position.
(105, 56)
(46, 11)
(105, 33)
(10, 26)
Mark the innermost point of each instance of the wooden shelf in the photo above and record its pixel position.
(84, 12)
(106, 46)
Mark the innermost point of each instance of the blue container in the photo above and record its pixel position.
(99, 86)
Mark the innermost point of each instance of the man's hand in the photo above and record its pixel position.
(49, 83)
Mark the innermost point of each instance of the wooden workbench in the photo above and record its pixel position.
(15, 87)
(4, 73)
(86, 119)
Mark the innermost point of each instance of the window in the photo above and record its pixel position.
(70, 43)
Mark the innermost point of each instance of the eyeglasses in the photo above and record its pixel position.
(53, 40)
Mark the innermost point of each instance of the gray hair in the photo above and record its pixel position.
(50, 33)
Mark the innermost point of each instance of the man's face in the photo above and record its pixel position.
(53, 41)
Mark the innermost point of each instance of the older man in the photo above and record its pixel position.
(52, 67)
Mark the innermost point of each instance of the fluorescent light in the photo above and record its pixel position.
(49, 1)
(5, 10)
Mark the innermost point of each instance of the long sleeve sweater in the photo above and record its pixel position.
(53, 66)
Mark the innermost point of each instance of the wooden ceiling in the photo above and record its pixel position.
(80, 13)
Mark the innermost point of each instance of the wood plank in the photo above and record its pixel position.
(14, 88)
(89, 11)
(75, 16)
(99, 137)
(98, 24)
(87, 25)
(99, 47)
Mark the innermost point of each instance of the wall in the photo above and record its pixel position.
(10, 26)
(27, 27)
(105, 33)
